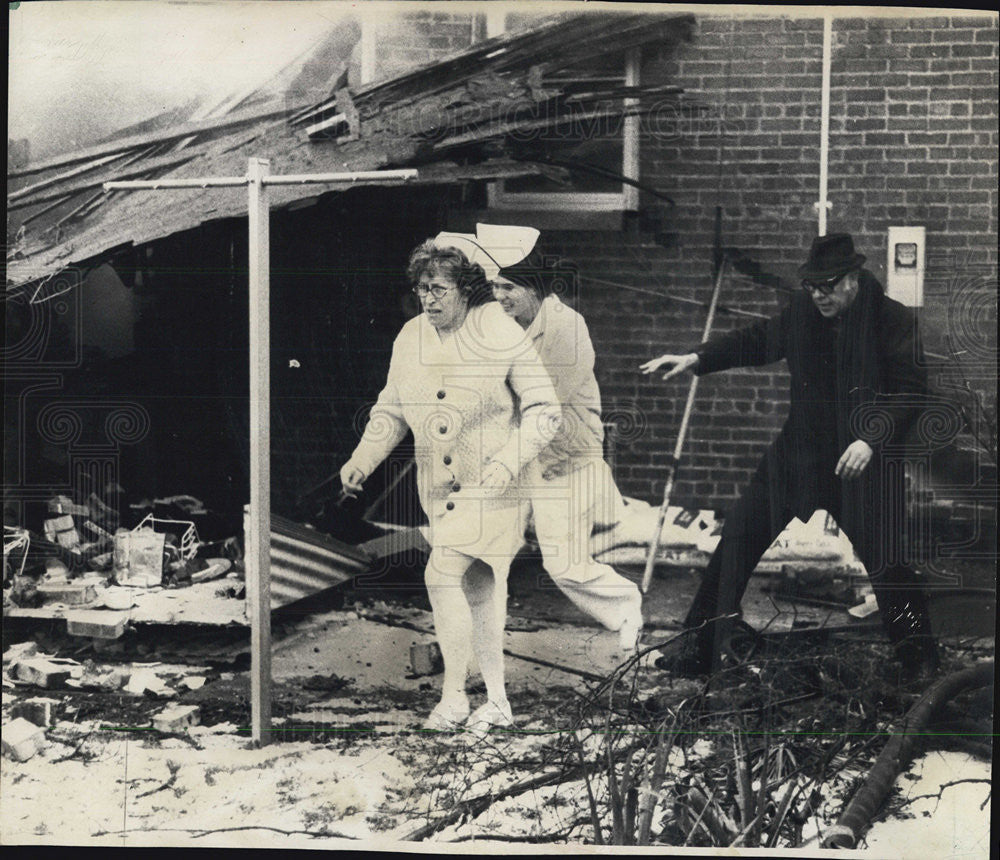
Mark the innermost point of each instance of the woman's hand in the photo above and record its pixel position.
(496, 477)
(351, 477)
(854, 460)
(677, 364)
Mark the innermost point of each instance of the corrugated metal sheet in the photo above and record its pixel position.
(305, 562)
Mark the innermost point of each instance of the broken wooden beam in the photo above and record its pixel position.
(569, 39)
(35, 187)
(96, 181)
(177, 132)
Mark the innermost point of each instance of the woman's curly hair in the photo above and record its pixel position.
(453, 264)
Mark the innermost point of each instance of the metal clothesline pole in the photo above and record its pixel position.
(258, 537)
(258, 540)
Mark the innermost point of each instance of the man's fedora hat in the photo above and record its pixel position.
(831, 257)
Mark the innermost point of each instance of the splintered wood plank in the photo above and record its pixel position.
(177, 132)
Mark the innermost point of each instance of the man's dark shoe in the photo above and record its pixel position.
(684, 661)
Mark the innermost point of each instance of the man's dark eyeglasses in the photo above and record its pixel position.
(825, 287)
(437, 292)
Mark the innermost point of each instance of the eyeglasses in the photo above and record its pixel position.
(437, 291)
(825, 287)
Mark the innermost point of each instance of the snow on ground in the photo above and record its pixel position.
(952, 826)
(363, 770)
(137, 788)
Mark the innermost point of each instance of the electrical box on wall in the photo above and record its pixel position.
(905, 265)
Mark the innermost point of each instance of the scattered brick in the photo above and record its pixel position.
(69, 593)
(37, 710)
(96, 624)
(177, 718)
(22, 739)
(19, 651)
(42, 673)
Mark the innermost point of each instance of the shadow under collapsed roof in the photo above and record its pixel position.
(461, 119)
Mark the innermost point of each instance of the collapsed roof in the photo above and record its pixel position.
(468, 117)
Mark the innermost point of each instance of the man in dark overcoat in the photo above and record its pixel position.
(858, 382)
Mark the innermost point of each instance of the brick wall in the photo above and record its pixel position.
(913, 141)
(415, 38)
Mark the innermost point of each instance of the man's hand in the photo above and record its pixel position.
(351, 477)
(677, 364)
(854, 460)
(496, 478)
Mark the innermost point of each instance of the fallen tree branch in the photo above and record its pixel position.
(168, 784)
(697, 798)
(325, 834)
(897, 753)
(542, 837)
(76, 749)
(204, 831)
(937, 796)
(477, 805)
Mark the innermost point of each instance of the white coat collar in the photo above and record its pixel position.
(549, 305)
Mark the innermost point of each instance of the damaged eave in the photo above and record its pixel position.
(141, 217)
(555, 44)
(455, 109)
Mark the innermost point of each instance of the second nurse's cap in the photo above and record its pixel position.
(492, 246)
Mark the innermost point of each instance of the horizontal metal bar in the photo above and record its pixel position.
(368, 177)
(319, 178)
(206, 182)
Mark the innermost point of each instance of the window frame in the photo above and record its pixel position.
(626, 199)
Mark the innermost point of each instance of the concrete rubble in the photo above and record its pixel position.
(22, 739)
(177, 718)
(42, 673)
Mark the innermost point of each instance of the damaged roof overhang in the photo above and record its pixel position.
(454, 120)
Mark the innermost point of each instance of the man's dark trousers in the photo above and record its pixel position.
(751, 527)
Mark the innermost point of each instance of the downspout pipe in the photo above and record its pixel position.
(824, 134)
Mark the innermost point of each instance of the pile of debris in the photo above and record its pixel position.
(28, 671)
(84, 557)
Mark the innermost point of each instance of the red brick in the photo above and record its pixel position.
(954, 35)
(930, 52)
